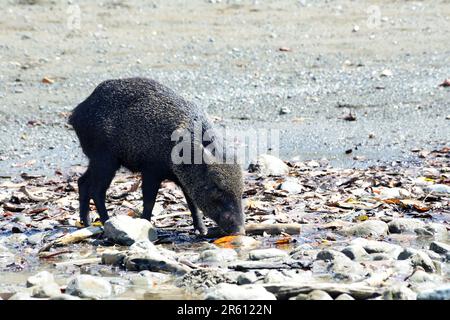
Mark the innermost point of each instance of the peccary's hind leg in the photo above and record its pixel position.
(150, 187)
(102, 172)
(84, 198)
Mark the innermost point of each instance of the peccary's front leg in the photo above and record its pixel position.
(150, 187)
(197, 216)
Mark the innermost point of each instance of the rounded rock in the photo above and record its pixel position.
(319, 295)
(47, 290)
(269, 165)
(367, 228)
(405, 225)
(440, 247)
(247, 278)
(40, 279)
(226, 291)
(271, 253)
(125, 230)
(218, 255)
(87, 286)
(344, 296)
(355, 252)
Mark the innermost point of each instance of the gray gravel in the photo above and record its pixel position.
(225, 57)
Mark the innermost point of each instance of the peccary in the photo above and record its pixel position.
(129, 122)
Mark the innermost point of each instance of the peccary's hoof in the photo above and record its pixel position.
(201, 231)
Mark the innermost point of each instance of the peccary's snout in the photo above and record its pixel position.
(231, 221)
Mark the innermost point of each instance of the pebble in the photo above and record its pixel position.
(271, 253)
(118, 289)
(113, 257)
(433, 255)
(291, 186)
(367, 228)
(386, 73)
(226, 291)
(344, 296)
(402, 268)
(405, 225)
(380, 256)
(285, 110)
(355, 252)
(346, 269)
(141, 280)
(407, 253)
(440, 293)
(420, 276)
(319, 295)
(218, 255)
(399, 292)
(438, 189)
(36, 238)
(329, 255)
(274, 276)
(153, 261)
(423, 232)
(87, 286)
(46, 290)
(64, 297)
(40, 279)
(373, 246)
(247, 278)
(268, 165)
(125, 230)
(440, 247)
(421, 259)
(142, 246)
(439, 230)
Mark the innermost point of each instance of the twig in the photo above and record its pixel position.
(78, 262)
(44, 255)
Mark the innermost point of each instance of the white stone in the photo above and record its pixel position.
(226, 291)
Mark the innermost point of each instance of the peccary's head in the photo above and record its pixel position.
(216, 189)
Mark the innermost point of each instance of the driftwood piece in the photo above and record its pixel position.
(357, 290)
(74, 237)
(287, 264)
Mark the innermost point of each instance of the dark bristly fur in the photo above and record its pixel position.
(129, 122)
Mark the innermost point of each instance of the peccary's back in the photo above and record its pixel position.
(133, 120)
